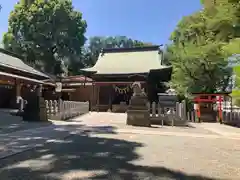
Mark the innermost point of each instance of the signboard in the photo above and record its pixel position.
(58, 87)
(6, 82)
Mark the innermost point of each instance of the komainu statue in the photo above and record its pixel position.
(138, 112)
(137, 90)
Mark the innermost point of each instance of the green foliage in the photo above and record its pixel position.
(201, 45)
(236, 71)
(235, 93)
(236, 101)
(236, 97)
(194, 72)
(59, 68)
(233, 47)
(46, 31)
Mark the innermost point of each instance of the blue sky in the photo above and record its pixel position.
(145, 20)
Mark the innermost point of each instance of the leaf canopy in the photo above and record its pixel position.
(39, 30)
(201, 45)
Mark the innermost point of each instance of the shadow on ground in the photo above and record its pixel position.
(11, 123)
(85, 156)
(23, 140)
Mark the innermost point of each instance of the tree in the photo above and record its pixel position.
(200, 49)
(97, 43)
(45, 31)
(199, 68)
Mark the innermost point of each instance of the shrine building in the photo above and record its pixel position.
(16, 78)
(115, 71)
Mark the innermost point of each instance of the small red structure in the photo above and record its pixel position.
(204, 105)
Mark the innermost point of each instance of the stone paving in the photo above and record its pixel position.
(9, 123)
(221, 129)
(20, 141)
(117, 121)
(102, 147)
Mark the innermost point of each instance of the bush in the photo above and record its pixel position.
(236, 71)
(236, 101)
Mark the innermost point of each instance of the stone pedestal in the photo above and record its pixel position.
(35, 109)
(138, 113)
(42, 113)
(120, 108)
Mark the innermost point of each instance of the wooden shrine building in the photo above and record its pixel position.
(115, 71)
(16, 78)
(74, 88)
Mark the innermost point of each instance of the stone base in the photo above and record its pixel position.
(138, 101)
(35, 110)
(120, 108)
(138, 118)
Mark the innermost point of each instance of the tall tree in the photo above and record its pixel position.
(201, 46)
(27, 2)
(46, 31)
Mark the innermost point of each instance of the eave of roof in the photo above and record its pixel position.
(126, 71)
(10, 60)
(20, 77)
(77, 78)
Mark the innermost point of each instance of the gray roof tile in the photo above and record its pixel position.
(127, 61)
(16, 63)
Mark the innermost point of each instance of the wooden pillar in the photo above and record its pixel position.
(17, 94)
(220, 109)
(39, 90)
(92, 97)
(110, 98)
(98, 92)
(18, 88)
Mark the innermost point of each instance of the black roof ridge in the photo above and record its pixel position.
(132, 49)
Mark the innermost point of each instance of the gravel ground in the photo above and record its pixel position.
(108, 149)
(118, 121)
(127, 156)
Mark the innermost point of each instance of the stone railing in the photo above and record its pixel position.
(231, 114)
(63, 110)
(176, 115)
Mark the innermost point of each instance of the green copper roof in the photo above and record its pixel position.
(16, 63)
(128, 61)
